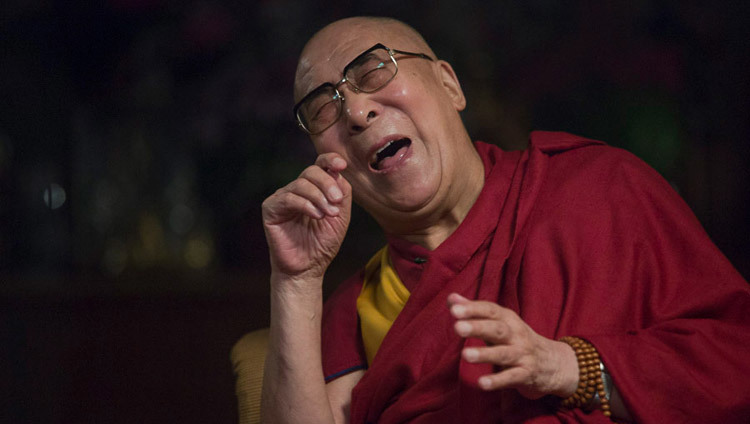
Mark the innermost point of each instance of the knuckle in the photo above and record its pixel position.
(266, 203)
(312, 172)
(273, 200)
(500, 329)
(493, 310)
(487, 329)
(281, 202)
(301, 185)
(292, 186)
(311, 169)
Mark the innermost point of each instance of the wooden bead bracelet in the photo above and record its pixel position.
(590, 383)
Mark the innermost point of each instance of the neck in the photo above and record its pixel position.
(432, 229)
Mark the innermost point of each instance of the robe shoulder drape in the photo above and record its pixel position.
(578, 238)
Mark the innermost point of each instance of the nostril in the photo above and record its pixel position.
(370, 115)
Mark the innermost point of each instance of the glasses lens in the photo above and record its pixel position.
(371, 71)
(320, 110)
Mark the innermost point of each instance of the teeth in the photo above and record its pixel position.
(386, 151)
(385, 146)
(374, 159)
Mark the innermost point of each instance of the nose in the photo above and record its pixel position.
(360, 111)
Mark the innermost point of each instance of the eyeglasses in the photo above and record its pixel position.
(367, 73)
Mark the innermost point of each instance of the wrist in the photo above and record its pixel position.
(590, 378)
(293, 295)
(295, 305)
(304, 283)
(568, 371)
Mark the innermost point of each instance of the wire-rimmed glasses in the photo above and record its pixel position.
(367, 73)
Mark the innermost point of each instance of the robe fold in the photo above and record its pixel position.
(580, 239)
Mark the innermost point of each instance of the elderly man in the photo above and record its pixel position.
(564, 283)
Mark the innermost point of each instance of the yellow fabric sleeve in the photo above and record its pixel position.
(382, 298)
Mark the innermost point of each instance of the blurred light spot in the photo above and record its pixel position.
(115, 257)
(181, 219)
(199, 253)
(54, 196)
(152, 248)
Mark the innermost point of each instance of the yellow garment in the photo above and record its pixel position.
(383, 296)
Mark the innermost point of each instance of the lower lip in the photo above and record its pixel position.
(392, 163)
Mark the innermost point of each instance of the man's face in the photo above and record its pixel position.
(399, 142)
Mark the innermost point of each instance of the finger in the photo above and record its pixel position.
(331, 162)
(345, 187)
(480, 309)
(334, 164)
(306, 189)
(491, 331)
(456, 299)
(503, 355)
(509, 378)
(285, 204)
(325, 182)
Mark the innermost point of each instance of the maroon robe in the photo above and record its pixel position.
(579, 239)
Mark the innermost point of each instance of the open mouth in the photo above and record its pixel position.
(390, 153)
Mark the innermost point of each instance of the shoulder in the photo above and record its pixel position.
(582, 160)
(586, 179)
(554, 142)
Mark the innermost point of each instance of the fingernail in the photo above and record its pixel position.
(317, 212)
(334, 193)
(338, 163)
(471, 355)
(463, 328)
(484, 382)
(333, 209)
(458, 311)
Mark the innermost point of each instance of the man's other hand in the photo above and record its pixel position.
(532, 364)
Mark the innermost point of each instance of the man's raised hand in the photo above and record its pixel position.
(306, 220)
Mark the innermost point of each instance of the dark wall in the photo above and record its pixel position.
(138, 139)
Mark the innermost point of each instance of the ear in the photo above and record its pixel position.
(450, 83)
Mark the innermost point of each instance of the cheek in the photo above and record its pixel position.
(416, 94)
(327, 143)
(413, 101)
(411, 87)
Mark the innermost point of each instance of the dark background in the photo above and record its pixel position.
(138, 139)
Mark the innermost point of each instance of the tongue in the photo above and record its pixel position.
(389, 161)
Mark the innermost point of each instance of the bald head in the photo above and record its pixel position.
(337, 36)
(375, 24)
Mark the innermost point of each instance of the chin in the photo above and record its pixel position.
(412, 200)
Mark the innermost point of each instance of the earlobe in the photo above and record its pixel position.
(450, 83)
